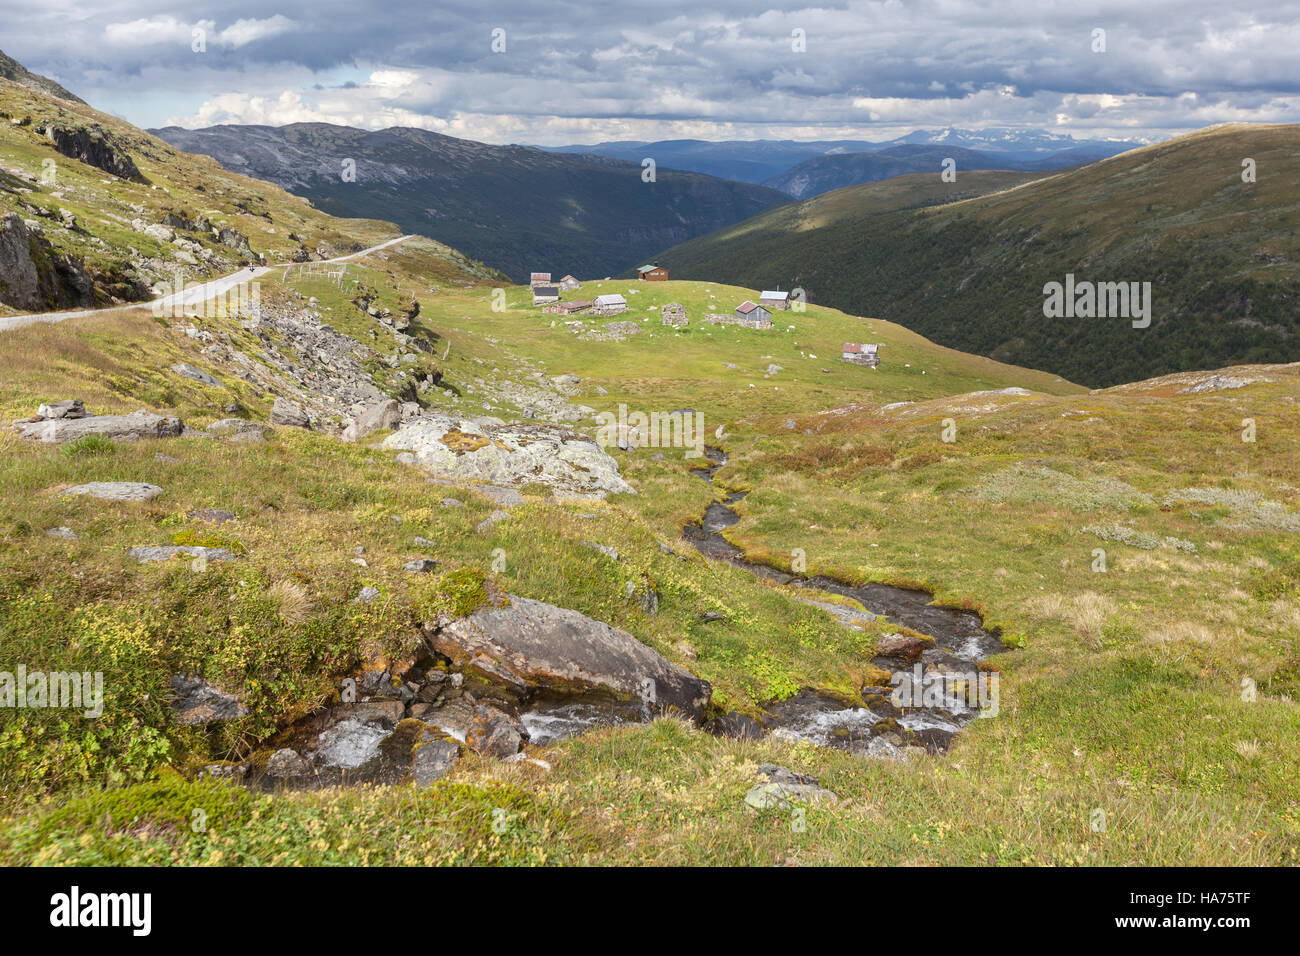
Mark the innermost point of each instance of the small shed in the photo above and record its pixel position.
(569, 283)
(543, 294)
(652, 273)
(674, 313)
(753, 315)
(611, 304)
(775, 300)
(567, 308)
(861, 354)
(539, 278)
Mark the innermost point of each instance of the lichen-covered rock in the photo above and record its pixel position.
(485, 451)
(433, 760)
(527, 648)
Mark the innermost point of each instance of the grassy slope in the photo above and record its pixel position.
(1222, 256)
(1114, 666)
(1124, 696)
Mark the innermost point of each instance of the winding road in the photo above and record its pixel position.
(189, 296)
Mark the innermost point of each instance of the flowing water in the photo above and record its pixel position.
(958, 643)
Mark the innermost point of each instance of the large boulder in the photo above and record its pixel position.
(291, 414)
(489, 451)
(377, 417)
(528, 649)
(140, 424)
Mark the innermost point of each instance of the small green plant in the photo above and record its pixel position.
(90, 446)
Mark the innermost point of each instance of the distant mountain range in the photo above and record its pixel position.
(772, 162)
(519, 208)
(1222, 256)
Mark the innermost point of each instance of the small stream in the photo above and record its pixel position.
(958, 642)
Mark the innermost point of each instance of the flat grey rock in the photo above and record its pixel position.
(116, 490)
(131, 427)
(166, 552)
(194, 374)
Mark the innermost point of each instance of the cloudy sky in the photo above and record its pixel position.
(564, 72)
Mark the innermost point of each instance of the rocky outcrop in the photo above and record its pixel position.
(19, 282)
(528, 649)
(96, 147)
(33, 276)
(488, 450)
(137, 425)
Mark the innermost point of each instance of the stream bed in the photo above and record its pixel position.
(937, 678)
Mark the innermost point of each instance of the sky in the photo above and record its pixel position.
(560, 72)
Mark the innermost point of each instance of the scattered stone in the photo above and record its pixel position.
(425, 543)
(452, 503)
(900, 646)
(368, 594)
(382, 415)
(1215, 383)
(239, 429)
(69, 408)
(290, 414)
(217, 515)
(62, 531)
(433, 759)
(116, 490)
(487, 523)
(734, 725)
(350, 744)
(224, 771)
(198, 702)
(420, 566)
(167, 459)
(604, 549)
(287, 763)
(784, 787)
(185, 370)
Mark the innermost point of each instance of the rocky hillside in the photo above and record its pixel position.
(94, 211)
(15, 72)
(519, 208)
(1220, 254)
